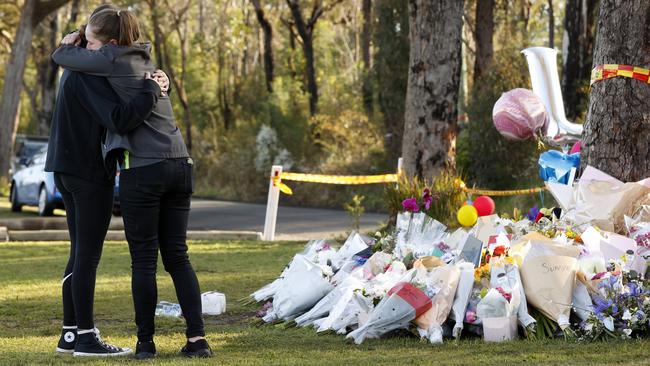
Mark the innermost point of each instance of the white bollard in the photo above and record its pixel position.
(272, 205)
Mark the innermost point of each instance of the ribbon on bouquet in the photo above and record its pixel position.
(607, 71)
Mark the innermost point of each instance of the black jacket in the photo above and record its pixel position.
(86, 106)
(124, 66)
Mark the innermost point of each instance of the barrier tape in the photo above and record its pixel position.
(489, 192)
(383, 178)
(607, 71)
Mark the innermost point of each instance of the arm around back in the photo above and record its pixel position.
(75, 58)
(98, 98)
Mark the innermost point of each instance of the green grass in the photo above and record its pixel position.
(30, 317)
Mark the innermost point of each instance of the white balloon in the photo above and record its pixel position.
(546, 84)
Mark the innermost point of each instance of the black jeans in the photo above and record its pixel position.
(155, 203)
(88, 208)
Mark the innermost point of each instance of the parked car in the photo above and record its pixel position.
(26, 148)
(32, 186)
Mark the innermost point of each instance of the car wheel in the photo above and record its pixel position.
(44, 206)
(13, 198)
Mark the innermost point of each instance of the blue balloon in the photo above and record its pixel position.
(555, 166)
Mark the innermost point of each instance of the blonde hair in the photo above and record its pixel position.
(113, 23)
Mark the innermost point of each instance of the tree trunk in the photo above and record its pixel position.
(617, 130)
(32, 13)
(158, 38)
(13, 85)
(551, 25)
(267, 30)
(390, 69)
(483, 33)
(577, 54)
(366, 87)
(48, 78)
(305, 31)
(429, 144)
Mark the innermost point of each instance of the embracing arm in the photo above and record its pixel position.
(117, 117)
(75, 58)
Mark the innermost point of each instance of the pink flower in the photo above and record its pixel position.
(470, 316)
(427, 199)
(411, 205)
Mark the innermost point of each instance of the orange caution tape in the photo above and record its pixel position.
(607, 71)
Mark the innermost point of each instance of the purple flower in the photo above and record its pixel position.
(411, 205)
(532, 213)
(426, 198)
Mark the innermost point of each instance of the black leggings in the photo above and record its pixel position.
(88, 208)
(155, 203)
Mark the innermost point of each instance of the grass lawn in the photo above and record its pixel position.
(30, 317)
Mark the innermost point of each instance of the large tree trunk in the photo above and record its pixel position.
(158, 36)
(617, 130)
(32, 13)
(267, 30)
(391, 61)
(577, 54)
(366, 86)
(430, 128)
(483, 33)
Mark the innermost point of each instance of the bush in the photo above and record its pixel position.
(487, 158)
(445, 190)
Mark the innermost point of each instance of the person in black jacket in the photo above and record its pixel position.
(86, 106)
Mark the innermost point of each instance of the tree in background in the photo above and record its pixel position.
(577, 53)
(267, 30)
(366, 35)
(33, 12)
(429, 143)
(483, 34)
(617, 130)
(305, 29)
(390, 69)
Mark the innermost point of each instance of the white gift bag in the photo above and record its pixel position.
(213, 303)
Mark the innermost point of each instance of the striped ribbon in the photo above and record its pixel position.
(607, 71)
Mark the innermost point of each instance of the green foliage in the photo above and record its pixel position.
(355, 210)
(445, 190)
(489, 160)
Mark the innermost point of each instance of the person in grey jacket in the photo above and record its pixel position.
(156, 176)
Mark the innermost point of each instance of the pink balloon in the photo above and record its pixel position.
(519, 114)
(576, 147)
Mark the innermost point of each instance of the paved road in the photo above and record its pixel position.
(293, 222)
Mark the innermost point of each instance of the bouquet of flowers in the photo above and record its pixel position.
(621, 307)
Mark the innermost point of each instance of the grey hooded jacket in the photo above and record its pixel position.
(124, 66)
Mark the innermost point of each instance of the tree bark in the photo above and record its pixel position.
(158, 36)
(617, 130)
(483, 33)
(577, 54)
(267, 30)
(390, 69)
(429, 144)
(366, 86)
(47, 77)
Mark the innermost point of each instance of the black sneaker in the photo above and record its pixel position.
(199, 348)
(68, 340)
(145, 349)
(89, 344)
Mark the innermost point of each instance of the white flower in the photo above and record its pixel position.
(608, 322)
(627, 331)
(626, 315)
(589, 327)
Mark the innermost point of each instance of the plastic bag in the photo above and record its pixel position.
(443, 281)
(494, 305)
(417, 234)
(403, 304)
(463, 291)
(303, 286)
(354, 244)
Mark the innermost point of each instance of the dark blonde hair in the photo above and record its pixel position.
(111, 23)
